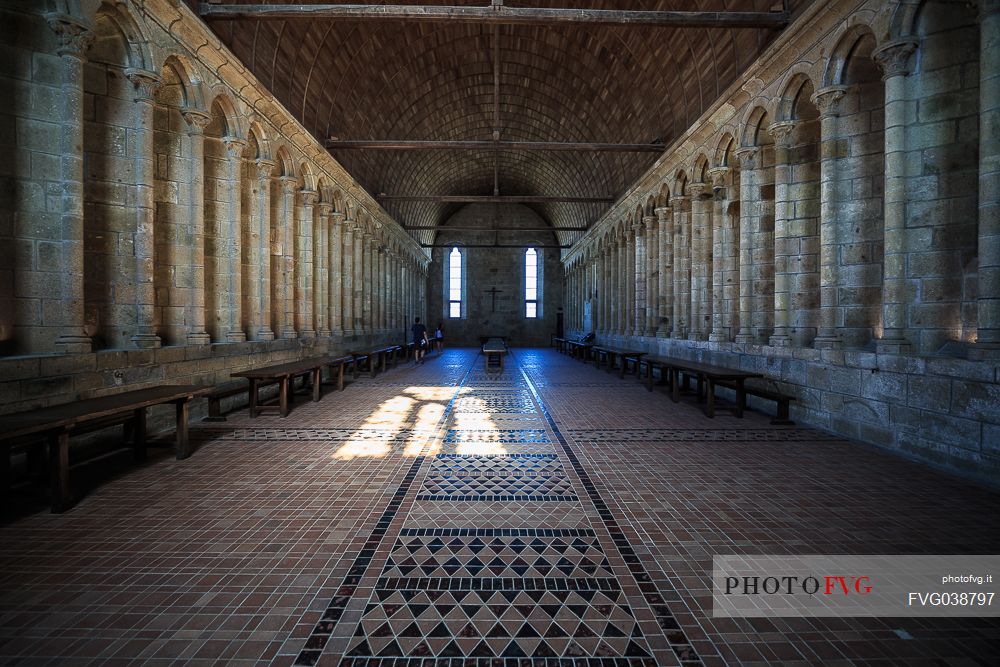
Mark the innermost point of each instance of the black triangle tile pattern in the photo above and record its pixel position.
(496, 562)
(497, 556)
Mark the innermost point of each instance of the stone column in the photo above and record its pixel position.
(988, 323)
(337, 274)
(682, 275)
(828, 102)
(749, 201)
(783, 212)
(143, 242)
(652, 274)
(638, 280)
(367, 283)
(285, 255)
(197, 121)
(348, 273)
(359, 267)
(602, 289)
(304, 268)
(322, 282)
(701, 244)
(665, 289)
(260, 254)
(233, 242)
(383, 280)
(621, 291)
(720, 332)
(629, 279)
(65, 310)
(893, 58)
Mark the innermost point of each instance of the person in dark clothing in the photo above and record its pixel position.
(419, 341)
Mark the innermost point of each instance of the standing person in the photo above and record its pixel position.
(439, 336)
(419, 341)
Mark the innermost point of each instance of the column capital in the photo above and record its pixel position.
(234, 146)
(893, 58)
(308, 197)
(827, 100)
(662, 212)
(718, 176)
(146, 83)
(75, 36)
(265, 168)
(747, 155)
(699, 190)
(196, 119)
(679, 202)
(288, 184)
(337, 218)
(781, 131)
(649, 221)
(637, 228)
(324, 208)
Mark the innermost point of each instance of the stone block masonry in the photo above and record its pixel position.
(164, 220)
(855, 258)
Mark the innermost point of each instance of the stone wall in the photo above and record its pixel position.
(163, 219)
(502, 269)
(822, 225)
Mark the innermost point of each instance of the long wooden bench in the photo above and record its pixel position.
(612, 354)
(216, 394)
(58, 422)
(707, 376)
(283, 375)
(337, 366)
(782, 415)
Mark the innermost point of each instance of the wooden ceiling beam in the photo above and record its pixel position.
(496, 14)
(460, 228)
(495, 199)
(419, 145)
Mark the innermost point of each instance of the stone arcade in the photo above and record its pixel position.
(804, 194)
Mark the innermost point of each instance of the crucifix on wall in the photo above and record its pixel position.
(493, 292)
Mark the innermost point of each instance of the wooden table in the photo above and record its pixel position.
(494, 350)
(59, 421)
(707, 376)
(612, 353)
(283, 375)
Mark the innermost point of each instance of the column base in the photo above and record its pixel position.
(325, 333)
(696, 336)
(146, 341)
(663, 333)
(827, 343)
(307, 333)
(289, 334)
(893, 346)
(744, 339)
(74, 344)
(265, 334)
(199, 338)
(236, 337)
(984, 352)
(678, 335)
(780, 340)
(718, 337)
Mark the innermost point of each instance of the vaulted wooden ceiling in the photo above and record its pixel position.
(557, 82)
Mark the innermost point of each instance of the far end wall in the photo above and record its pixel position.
(502, 269)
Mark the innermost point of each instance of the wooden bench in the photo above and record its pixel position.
(58, 422)
(494, 351)
(283, 375)
(217, 393)
(337, 366)
(707, 376)
(611, 354)
(579, 350)
(782, 416)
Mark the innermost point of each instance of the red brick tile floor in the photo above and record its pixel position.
(433, 515)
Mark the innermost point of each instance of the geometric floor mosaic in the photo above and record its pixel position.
(497, 561)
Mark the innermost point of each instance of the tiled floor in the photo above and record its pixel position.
(549, 515)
